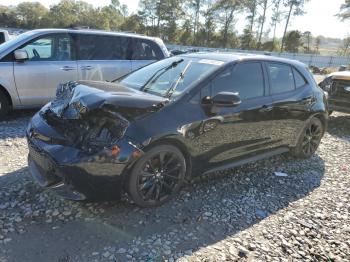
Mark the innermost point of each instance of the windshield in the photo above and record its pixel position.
(15, 40)
(170, 76)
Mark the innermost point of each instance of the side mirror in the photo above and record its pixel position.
(226, 99)
(21, 55)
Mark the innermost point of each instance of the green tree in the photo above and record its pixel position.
(251, 7)
(318, 42)
(308, 37)
(247, 39)
(225, 11)
(133, 23)
(295, 8)
(293, 41)
(262, 19)
(209, 25)
(30, 15)
(195, 7)
(276, 18)
(270, 46)
(186, 36)
(172, 12)
(344, 10)
(8, 16)
(345, 49)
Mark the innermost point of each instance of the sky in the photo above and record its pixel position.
(319, 18)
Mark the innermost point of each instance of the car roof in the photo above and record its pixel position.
(91, 31)
(231, 57)
(342, 75)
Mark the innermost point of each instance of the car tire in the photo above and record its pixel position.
(4, 105)
(157, 176)
(309, 140)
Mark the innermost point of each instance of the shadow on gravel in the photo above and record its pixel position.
(14, 125)
(206, 212)
(17, 114)
(339, 125)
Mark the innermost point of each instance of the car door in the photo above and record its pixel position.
(51, 62)
(291, 101)
(229, 133)
(144, 52)
(102, 57)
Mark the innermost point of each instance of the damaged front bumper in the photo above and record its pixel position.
(75, 173)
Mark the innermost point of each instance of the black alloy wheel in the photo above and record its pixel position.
(157, 176)
(310, 139)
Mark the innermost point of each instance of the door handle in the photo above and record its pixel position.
(266, 109)
(86, 67)
(67, 68)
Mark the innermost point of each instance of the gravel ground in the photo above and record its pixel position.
(247, 214)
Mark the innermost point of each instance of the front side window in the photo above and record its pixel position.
(246, 79)
(102, 47)
(170, 76)
(144, 49)
(50, 48)
(281, 78)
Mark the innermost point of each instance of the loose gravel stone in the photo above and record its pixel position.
(246, 213)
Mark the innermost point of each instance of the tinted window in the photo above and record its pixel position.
(246, 78)
(102, 47)
(50, 48)
(2, 38)
(281, 78)
(299, 79)
(144, 49)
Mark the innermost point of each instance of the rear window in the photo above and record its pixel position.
(299, 79)
(144, 49)
(281, 78)
(102, 47)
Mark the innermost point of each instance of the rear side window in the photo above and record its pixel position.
(102, 47)
(144, 49)
(246, 78)
(299, 79)
(281, 78)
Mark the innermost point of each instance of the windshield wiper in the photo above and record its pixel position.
(172, 89)
(160, 71)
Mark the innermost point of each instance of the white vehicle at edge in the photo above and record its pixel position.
(35, 62)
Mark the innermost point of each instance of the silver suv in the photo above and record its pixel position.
(34, 63)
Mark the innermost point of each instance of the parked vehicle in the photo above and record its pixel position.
(4, 36)
(180, 117)
(337, 85)
(34, 63)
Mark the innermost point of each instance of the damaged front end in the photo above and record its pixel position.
(77, 143)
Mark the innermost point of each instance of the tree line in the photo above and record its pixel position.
(210, 23)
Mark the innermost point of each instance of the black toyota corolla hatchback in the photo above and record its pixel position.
(148, 132)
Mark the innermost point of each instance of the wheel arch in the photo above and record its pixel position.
(7, 94)
(323, 119)
(179, 145)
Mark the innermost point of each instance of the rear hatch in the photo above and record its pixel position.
(339, 93)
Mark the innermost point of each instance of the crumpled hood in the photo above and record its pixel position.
(75, 99)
